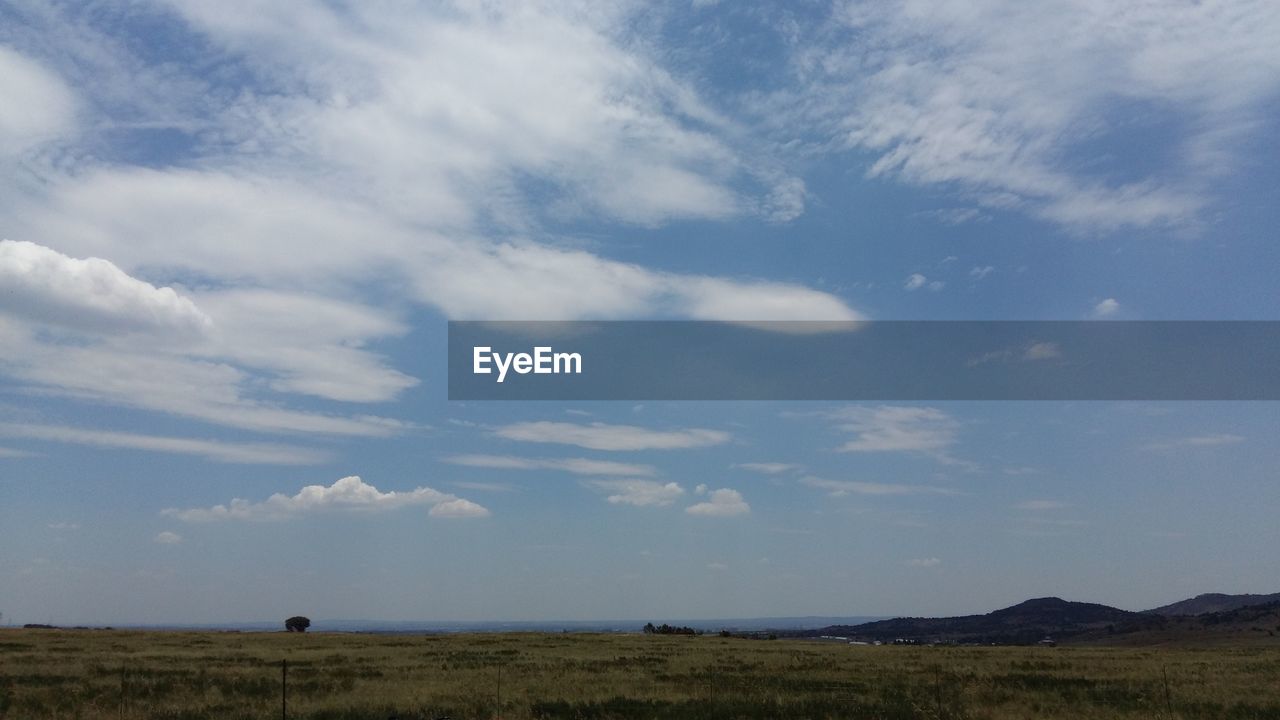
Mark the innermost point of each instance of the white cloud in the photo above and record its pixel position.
(88, 295)
(350, 494)
(924, 562)
(915, 281)
(641, 493)
(307, 344)
(1040, 505)
(85, 329)
(705, 298)
(577, 466)
(1042, 351)
(399, 149)
(724, 502)
(38, 105)
(599, 436)
(217, 451)
(1006, 100)
(458, 508)
(842, 488)
(956, 216)
(167, 538)
(1031, 352)
(978, 273)
(1106, 308)
(785, 202)
(768, 468)
(1016, 470)
(890, 428)
(483, 486)
(1214, 440)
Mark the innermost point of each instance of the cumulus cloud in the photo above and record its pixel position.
(167, 538)
(842, 488)
(600, 436)
(641, 493)
(93, 294)
(723, 502)
(915, 281)
(217, 451)
(123, 341)
(577, 466)
(458, 508)
(1042, 351)
(1106, 308)
(350, 494)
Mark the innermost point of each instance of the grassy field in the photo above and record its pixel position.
(206, 675)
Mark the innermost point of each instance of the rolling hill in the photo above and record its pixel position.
(1022, 624)
(1213, 603)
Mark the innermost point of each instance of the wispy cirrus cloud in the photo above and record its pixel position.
(895, 428)
(1197, 441)
(215, 450)
(395, 149)
(842, 488)
(1036, 505)
(1002, 99)
(602, 436)
(769, 468)
(349, 494)
(577, 466)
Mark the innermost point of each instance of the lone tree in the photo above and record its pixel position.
(297, 623)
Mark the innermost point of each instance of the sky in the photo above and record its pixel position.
(232, 235)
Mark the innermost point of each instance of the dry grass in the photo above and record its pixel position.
(125, 674)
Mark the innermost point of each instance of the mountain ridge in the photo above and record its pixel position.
(1204, 618)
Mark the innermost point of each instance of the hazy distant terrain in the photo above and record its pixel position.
(1243, 619)
(1213, 603)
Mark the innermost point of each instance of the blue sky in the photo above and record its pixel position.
(233, 234)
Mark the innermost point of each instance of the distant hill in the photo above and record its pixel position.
(1213, 603)
(1248, 625)
(1023, 624)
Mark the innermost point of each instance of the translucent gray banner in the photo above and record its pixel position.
(887, 360)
